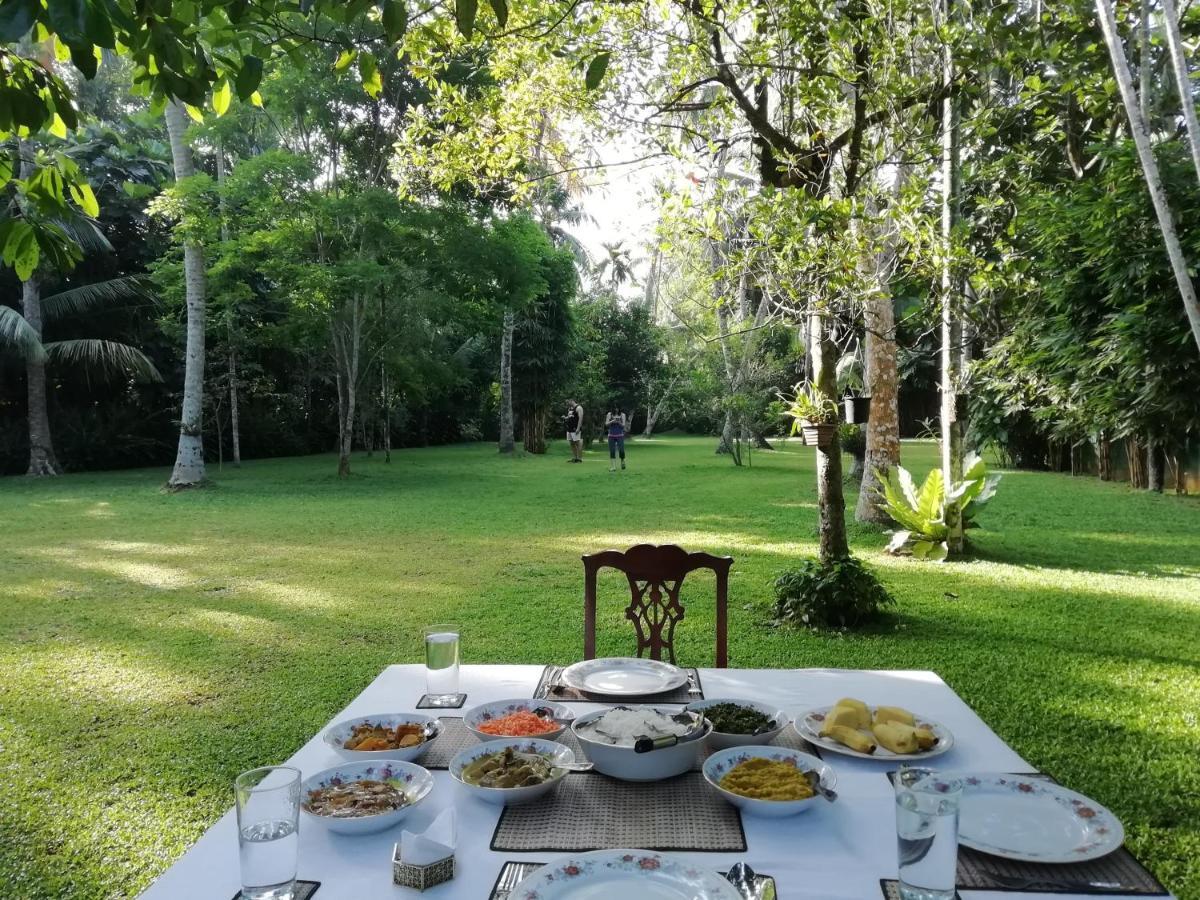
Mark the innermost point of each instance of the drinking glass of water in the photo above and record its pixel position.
(268, 816)
(927, 830)
(441, 664)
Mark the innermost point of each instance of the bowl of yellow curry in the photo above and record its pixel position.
(766, 781)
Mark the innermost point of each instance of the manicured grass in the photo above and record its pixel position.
(153, 646)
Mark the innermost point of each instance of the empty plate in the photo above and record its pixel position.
(1034, 820)
(604, 874)
(623, 676)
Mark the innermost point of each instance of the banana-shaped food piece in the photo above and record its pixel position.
(844, 715)
(856, 716)
(896, 736)
(885, 714)
(853, 739)
(926, 739)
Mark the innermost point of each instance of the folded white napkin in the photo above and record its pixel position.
(434, 843)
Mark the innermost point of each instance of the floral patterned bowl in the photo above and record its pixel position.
(415, 781)
(554, 753)
(562, 715)
(337, 734)
(722, 762)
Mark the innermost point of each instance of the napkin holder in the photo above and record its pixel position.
(421, 877)
(426, 859)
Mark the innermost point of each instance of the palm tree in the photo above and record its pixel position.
(618, 264)
(189, 458)
(23, 333)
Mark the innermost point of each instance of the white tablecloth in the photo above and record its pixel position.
(833, 852)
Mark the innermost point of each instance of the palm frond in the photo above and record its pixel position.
(16, 332)
(100, 293)
(107, 356)
(86, 234)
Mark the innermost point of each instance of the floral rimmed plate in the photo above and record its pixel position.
(639, 873)
(809, 725)
(623, 676)
(1033, 820)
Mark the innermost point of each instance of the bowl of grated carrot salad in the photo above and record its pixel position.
(518, 718)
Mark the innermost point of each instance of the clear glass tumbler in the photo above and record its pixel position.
(268, 818)
(441, 664)
(927, 832)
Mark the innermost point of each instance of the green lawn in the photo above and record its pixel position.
(153, 646)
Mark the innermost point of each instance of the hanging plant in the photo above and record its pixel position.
(814, 414)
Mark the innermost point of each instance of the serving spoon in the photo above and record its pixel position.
(814, 779)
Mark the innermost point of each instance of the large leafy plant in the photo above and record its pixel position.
(921, 512)
(842, 593)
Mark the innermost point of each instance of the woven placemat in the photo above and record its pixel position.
(977, 870)
(456, 736)
(549, 688)
(595, 812)
(514, 872)
(891, 890)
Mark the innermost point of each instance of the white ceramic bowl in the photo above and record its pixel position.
(720, 763)
(722, 740)
(554, 752)
(627, 764)
(415, 781)
(337, 734)
(477, 715)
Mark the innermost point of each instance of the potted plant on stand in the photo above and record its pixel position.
(814, 415)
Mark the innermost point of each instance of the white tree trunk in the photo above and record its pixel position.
(952, 450)
(507, 440)
(230, 329)
(1141, 138)
(189, 458)
(42, 460)
(1183, 79)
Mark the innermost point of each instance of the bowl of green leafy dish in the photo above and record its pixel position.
(738, 723)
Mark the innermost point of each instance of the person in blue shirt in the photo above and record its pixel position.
(615, 424)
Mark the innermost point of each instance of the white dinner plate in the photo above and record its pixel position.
(623, 676)
(641, 874)
(1034, 820)
(809, 725)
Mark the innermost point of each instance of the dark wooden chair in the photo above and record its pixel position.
(655, 576)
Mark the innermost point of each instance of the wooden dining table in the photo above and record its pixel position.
(838, 851)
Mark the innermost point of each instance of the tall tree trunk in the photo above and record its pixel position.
(230, 331)
(1155, 462)
(1134, 455)
(346, 331)
(1141, 137)
(189, 457)
(1104, 456)
(533, 430)
(1183, 81)
(387, 414)
(831, 503)
(234, 427)
(507, 440)
(952, 449)
(42, 460)
(1145, 75)
(883, 424)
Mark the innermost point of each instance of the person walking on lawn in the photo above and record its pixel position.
(575, 431)
(616, 423)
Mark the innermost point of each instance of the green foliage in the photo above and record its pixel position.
(920, 512)
(852, 439)
(840, 594)
(809, 406)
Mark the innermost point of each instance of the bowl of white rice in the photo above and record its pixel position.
(614, 740)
